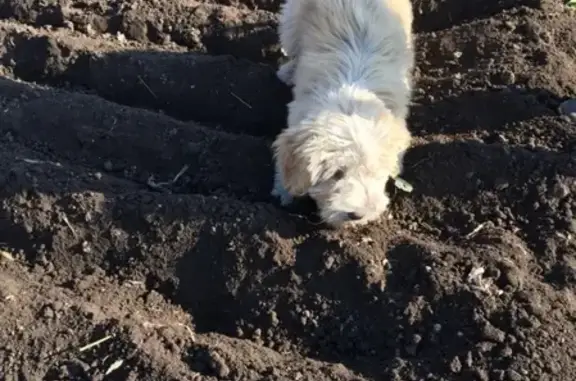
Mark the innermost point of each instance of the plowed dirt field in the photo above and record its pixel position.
(140, 242)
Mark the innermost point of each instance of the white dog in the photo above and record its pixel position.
(350, 65)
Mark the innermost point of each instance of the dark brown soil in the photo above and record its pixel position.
(135, 173)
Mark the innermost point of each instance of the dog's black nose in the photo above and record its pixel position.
(354, 216)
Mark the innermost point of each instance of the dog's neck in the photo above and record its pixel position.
(355, 99)
(351, 82)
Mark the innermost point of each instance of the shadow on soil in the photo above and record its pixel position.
(332, 312)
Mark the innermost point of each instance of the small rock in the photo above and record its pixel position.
(509, 25)
(48, 312)
(274, 318)
(501, 184)
(560, 190)
(489, 332)
(108, 165)
(219, 366)
(456, 365)
(485, 346)
(329, 262)
(86, 248)
(482, 375)
(90, 30)
(568, 109)
(507, 77)
(502, 139)
(506, 352)
(512, 277)
(469, 359)
(512, 375)
(498, 375)
(553, 367)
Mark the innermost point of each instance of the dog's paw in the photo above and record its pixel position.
(285, 73)
(282, 194)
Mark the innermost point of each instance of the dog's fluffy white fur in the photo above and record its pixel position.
(350, 65)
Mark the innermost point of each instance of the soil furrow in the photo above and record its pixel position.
(241, 167)
(136, 144)
(479, 66)
(195, 251)
(215, 90)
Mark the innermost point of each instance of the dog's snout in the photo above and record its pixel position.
(353, 216)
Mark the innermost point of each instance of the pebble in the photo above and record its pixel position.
(274, 318)
(506, 352)
(512, 375)
(492, 333)
(456, 365)
(508, 77)
(482, 375)
(513, 278)
(48, 312)
(469, 359)
(501, 184)
(329, 262)
(560, 190)
(485, 346)
(568, 109)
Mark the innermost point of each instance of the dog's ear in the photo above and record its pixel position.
(292, 167)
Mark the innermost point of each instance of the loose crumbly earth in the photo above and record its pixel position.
(139, 240)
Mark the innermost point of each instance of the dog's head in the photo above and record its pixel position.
(343, 161)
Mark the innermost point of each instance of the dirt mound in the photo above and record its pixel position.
(139, 240)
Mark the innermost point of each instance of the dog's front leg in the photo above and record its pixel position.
(280, 192)
(285, 72)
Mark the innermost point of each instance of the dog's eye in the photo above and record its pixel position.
(338, 175)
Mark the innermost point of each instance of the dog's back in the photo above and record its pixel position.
(369, 21)
(366, 42)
